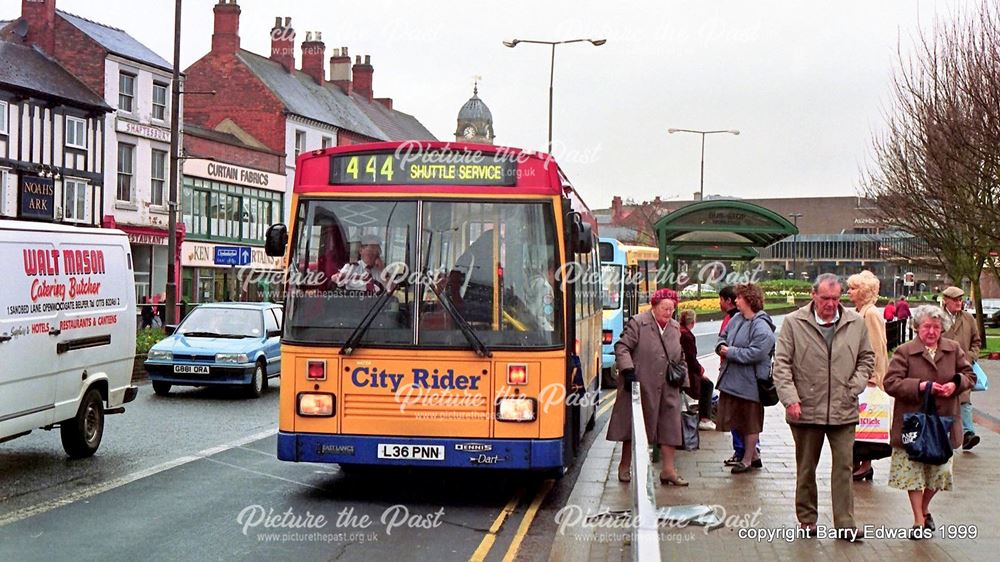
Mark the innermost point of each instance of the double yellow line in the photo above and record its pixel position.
(529, 516)
(522, 530)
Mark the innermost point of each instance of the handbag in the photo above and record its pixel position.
(926, 436)
(677, 372)
(689, 427)
(767, 392)
(982, 383)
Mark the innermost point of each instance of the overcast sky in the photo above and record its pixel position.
(804, 85)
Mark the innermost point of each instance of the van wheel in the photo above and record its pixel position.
(161, 388)
(258, 384)
(81, 436)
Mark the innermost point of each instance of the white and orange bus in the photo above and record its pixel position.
(428, 319)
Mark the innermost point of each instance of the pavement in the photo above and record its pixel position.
(762, 501)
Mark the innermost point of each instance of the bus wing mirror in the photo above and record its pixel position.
(275, 240)
(584, 238)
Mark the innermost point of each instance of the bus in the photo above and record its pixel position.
(442, 308)
(628, 276)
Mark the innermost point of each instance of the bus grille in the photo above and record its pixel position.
(433, 407)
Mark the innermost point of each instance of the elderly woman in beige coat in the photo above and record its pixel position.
(927, 360)
(648, 344)
(862, 288)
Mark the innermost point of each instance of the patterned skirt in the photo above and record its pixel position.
(905, 474)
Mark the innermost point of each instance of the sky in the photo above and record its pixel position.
(806, 84)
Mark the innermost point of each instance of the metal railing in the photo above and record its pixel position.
(645, 531)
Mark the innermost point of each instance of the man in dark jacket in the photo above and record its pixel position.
(147, 313)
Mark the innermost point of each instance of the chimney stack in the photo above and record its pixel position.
(362, 73)
(340, 69)
(40, 16)
(616, 207)
(283, 43)
(226, 38)
(313, 54)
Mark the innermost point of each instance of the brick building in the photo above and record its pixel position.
(135, 81)
(268, 102)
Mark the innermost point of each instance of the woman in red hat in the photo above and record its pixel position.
(649, 344)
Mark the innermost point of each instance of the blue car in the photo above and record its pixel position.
(220, 344)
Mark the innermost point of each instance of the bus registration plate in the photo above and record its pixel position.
(412, 452)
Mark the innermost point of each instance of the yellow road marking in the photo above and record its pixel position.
(529, 516)
(491, 536)
(606, 407)
(607, 394)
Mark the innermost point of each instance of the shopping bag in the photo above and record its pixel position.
(926, 436)
(689, 427)
(982, 383)
(874, 416)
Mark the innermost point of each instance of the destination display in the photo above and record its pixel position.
(425, 168)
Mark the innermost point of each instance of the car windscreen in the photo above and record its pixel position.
(208, 321)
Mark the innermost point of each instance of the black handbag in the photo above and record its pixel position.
(926, 436)
(767, 392)
(677, 372)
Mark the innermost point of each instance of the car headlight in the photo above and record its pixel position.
(232, 358)
(159, 355)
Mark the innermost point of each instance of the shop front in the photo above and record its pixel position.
(149, 259)
(228, 273)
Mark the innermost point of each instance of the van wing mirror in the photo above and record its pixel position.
(276, 240)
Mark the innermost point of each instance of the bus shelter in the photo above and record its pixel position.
(717, 230)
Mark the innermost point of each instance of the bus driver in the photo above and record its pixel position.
(366, 274)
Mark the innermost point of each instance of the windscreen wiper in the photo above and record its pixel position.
(470, 334)
(359, 332)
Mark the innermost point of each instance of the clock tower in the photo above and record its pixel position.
(475, 122)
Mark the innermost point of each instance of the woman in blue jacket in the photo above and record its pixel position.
(746, 347)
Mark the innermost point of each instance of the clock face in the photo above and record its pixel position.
(469, 132)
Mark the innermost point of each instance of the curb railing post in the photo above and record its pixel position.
(645, 531)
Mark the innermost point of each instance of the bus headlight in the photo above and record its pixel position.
(232, 358)
(517, 409)
(315, 404)
(158, 355)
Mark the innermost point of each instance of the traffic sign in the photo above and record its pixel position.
(232, 255)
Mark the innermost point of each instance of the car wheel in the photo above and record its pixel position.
(257, 382)
(81, 436)
(161, 388)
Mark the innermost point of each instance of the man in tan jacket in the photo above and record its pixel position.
(822, 362)
(965, 331)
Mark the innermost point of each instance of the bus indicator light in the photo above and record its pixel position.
(607, 337)
(316, 370)
(517, 374)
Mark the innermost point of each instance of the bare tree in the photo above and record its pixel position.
(934, 171)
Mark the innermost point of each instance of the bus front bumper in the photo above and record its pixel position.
(523, 454)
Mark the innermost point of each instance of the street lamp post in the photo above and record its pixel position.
(552, 67)
(703, 133)
(795, 244)
(175, 96)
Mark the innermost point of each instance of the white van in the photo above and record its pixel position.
(67, 331)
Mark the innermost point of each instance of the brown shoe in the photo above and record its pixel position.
(672, 480)
(624, 473)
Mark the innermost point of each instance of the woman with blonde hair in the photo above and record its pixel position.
(862, 288)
